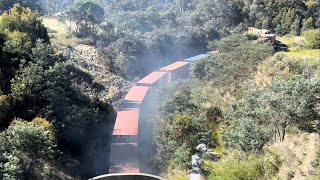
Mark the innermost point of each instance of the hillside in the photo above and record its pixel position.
(299, 155)
(111, 87)
(249, 110)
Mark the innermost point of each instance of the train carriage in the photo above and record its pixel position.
(177, 70)
(124, 158)
(135, 97)
(196, 58)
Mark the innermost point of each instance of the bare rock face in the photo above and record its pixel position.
(195, 176)
(202, 148)
(196, 172)
(111, 88)
(196, 164)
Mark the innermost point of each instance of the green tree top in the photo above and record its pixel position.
(23, 20)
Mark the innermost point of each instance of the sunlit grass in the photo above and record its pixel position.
(297, 48)
(314, 53)
(291, 41)
(55, 25)
(59, 32)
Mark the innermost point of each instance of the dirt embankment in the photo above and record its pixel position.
(300, 156)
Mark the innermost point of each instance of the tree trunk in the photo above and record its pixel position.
(283, 133)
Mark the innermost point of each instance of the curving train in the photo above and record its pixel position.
(127, 137)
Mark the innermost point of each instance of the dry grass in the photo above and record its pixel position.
(290, 40)
(304, 54)
(297, 49)
(54, 24)
(175, 174)
(299, 153)
(59, 32)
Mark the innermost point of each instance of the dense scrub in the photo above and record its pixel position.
(154, 33)
(239, 166)
(37, 82)
(245, 97)
(241, 98)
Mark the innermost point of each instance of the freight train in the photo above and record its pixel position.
(125, 151)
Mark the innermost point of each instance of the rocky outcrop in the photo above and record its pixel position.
(111, 88)
(196, 172)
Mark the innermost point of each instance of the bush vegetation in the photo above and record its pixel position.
(224, 105)
(262, 166)
(38, 82)
(241, 112)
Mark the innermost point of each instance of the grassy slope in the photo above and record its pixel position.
(296, 49)
(58, 32)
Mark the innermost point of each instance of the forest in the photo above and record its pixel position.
(244, 102)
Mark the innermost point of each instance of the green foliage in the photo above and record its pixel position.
(51, 7)
(18, 43)
(177, 141)
(284, 16)
(168, 30)
(32, 4)
(181, 156)
(246, 135)
(31, 140)
(263, 166)
(307, 24)
(46, 125)
(4, 107)
(26, 148)
(295, 26)
(25, 21)
(123, 55)
(286, 102)
(312, 38)
(12, 169)
(87, 14)
(237, 60)
(20, 30)
(35, 82)
(252, 36)
(181, 126)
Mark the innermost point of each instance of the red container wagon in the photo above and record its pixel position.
(154, 80)
(124, 154)
(177, 70)
(126, 126)
(124, 158)
(127, 121)
(135, 97)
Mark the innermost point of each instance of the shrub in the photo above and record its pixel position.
(27, 151)
(263, 166)
(46, 125)
(4, 107)
(312, 38)
(182, 156)
(252, 37)
(247, 135)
